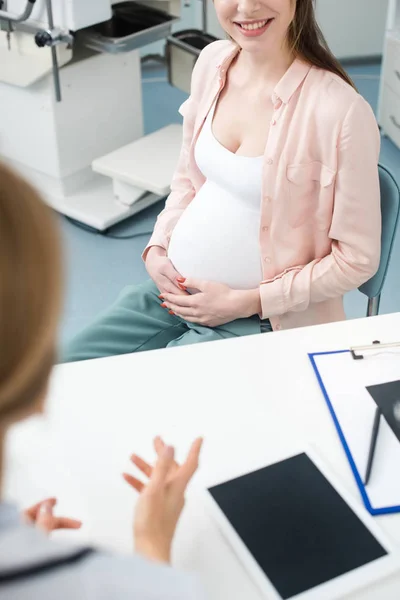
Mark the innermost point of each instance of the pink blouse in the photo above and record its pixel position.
(320, 227)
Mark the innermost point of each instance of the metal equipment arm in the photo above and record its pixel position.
(24, 16)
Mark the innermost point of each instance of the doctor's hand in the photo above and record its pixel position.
(162, 499)
(41, 516)
(162, 272)
(213, 304)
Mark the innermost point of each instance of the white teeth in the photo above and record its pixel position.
(251, 26)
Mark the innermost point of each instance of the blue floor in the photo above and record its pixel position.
(99, 267)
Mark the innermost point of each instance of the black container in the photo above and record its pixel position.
(183, 49)
(132, 26)
(130, 17)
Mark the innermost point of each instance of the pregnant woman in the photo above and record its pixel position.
(274, 211)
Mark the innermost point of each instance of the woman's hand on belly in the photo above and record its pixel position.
(214, 304)
(162, 271)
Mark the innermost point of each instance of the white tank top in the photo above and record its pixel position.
(217, 236)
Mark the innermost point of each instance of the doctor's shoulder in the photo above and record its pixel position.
(38, 567)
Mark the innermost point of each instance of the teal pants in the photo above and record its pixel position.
(136, 322)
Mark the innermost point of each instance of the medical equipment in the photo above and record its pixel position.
(71, 97)
(182, 51)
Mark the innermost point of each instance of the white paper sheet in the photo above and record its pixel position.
(345, 381)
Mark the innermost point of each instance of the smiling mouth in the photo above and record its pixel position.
(253, 26)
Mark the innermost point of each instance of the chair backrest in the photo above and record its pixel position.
(390, 208)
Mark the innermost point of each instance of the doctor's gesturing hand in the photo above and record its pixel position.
(162, 272)
(41, 515)
(213, 304)
(162, 499)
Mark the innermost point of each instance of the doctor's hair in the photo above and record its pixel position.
(308, 42)
(30, 295)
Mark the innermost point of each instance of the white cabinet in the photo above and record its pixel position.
(353, 28)
(389, 97)
(70, 14)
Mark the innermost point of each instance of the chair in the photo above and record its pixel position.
(390, 208)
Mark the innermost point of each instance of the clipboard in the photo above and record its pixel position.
(344, 379)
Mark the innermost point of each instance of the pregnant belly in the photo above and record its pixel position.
(217, 239)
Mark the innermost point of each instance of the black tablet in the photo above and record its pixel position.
(299, 534)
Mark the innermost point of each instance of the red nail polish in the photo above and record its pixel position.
(171, 312)
(163, 305)
(181, 279)
(182, 287)
(161, 297)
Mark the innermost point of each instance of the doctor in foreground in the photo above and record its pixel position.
(31, 565)
(274, 211)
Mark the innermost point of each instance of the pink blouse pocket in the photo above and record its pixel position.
(311, 193)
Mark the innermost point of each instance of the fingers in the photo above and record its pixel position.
(162, 468)
(133, 482)
(66, 523)
(166, 467)
(185, 301)
(31, 513)
(192, 283)
(44, 517)
(142, 465)
(189, 467)
(186, 307)
(179, 311)
(159, 447)
(173, 277)
(170, 272)
(167, 286)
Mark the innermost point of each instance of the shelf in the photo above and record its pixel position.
(131, 27)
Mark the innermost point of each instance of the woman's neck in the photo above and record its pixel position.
(261, 69)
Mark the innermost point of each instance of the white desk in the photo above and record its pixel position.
(252, 398)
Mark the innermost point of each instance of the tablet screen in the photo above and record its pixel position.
(298, 528)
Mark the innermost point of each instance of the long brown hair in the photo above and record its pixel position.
(306, 40)
(30, 292)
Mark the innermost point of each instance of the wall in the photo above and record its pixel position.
(353, 28)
